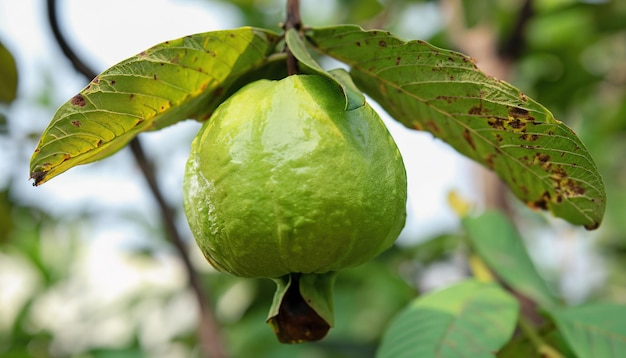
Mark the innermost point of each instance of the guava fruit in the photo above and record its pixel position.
(282, 182)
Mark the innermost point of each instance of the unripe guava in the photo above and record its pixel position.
(281, 179)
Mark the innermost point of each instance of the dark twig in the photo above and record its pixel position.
(208, 329)
(515, 44)
(293, 22)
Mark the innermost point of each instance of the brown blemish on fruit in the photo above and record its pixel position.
(78, 100)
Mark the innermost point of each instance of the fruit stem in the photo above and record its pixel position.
(293, 21)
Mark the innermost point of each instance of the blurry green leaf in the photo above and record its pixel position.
(523, 347)
(354, 97)
(428, 88)
(435, 249)
(594, 330)
(173, 81)
(469, 319)
(6, 219)
(498, 244)
(8, 76)
(357, 11)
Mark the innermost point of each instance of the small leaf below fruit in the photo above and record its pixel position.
(488, 120)
(302, 310)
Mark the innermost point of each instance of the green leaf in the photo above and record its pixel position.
(354, 97)
(8, 76)
(500, 246)
(594, 330)
(469, 319)
(175, 80)
(428, 88)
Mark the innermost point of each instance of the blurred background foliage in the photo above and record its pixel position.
(570, 55)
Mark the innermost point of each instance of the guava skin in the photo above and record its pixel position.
(282, 179)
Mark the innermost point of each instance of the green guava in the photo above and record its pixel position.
(283, 182)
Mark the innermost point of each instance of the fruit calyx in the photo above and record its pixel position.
(302, 310)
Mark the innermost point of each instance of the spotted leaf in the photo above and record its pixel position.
(427, 88)
(175, 80)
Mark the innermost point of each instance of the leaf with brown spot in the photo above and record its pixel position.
(168, 83)
(483, 118)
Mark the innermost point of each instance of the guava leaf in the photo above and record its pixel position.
(175, 80)
(593, 330)
(354, 97)
(488, 120)
(468, 319)
(8, 76)
(501, 247)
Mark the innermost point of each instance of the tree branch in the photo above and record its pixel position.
(208, 328)
(293, 22)
(515, 43)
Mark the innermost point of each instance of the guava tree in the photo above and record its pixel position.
(226, 79)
